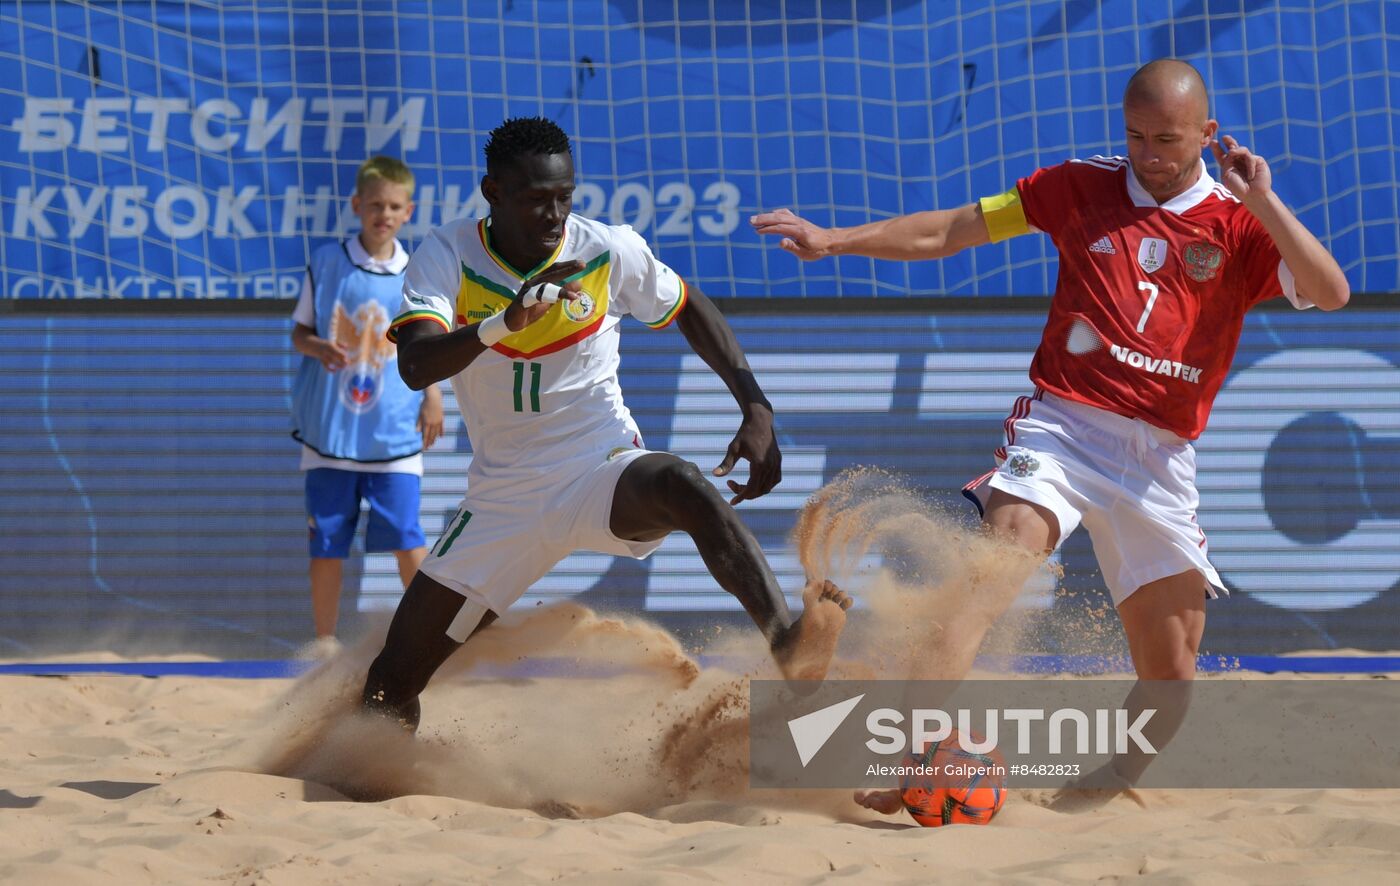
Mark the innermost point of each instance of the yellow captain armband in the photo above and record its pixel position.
(1004, 215)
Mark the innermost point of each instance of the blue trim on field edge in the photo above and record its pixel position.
(256, 669)
(1210, 664)
(253, 669)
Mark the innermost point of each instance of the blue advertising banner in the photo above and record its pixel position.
(151, 492)
(191, 150)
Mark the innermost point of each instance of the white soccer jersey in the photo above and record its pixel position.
(544, 401)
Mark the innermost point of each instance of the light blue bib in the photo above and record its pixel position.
(363, 412)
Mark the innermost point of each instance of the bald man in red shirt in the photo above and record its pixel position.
(1158, 265)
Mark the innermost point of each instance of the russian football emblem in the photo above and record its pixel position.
(1152, 254)
(1022, 465)
(1202, 260)
(580, 309)
(361, 336)
(359, 388)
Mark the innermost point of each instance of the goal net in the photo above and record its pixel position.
(187, 150)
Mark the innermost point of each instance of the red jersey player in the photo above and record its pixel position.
(1158, 264)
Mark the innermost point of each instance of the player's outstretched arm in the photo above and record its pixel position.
(934, 234)
(428, 353)
(1315, 272)
(709, 335)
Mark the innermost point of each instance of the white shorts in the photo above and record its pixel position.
(1131, 484)
(491, 551)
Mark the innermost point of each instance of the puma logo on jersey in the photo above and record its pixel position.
(1155, 365)
(1104, 245)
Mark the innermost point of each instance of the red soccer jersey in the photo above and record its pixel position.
(1150, 299)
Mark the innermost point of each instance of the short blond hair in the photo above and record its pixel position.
(381, 167)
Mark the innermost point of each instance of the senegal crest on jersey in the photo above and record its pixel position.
(580, 309)
(1202, 260)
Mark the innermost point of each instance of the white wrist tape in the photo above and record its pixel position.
(492, 329)
(545, 293)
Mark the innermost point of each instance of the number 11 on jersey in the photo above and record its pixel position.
(520, 386)
(1142, 324)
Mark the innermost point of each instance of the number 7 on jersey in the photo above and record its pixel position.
(1151, 300)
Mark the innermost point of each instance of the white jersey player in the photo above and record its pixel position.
(521, 311)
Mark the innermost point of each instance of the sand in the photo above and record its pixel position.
(636, 774)
(130, 780)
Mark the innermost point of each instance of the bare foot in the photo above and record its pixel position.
(886, 801)
(1094, 790)
(806, 649)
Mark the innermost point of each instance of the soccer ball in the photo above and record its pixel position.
(957, 786)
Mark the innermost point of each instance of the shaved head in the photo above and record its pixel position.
(1168, 82)
(1166, 116)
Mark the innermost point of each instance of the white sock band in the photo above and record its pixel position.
(545, 293)
(468, 617)
(492, 329)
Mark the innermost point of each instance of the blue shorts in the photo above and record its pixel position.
(333, 509)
